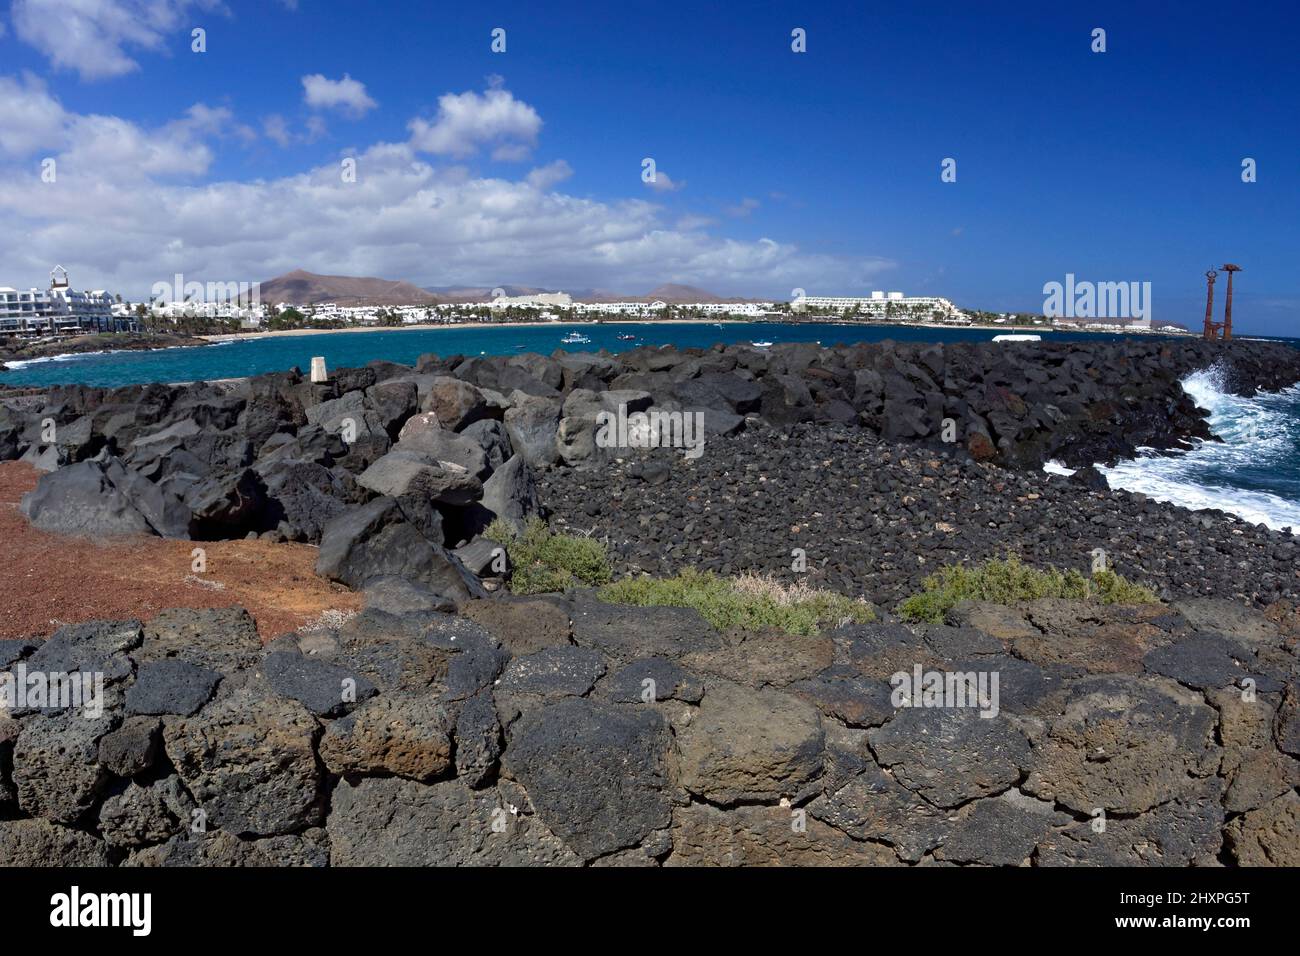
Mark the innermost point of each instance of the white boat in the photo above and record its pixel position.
(761, 345)
(575, 338)
(1017, 338)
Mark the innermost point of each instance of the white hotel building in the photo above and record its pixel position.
(892, 304)
(58, 310)
(547, 300)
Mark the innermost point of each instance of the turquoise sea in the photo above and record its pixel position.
(341, 349)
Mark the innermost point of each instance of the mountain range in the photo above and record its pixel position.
(308, 288)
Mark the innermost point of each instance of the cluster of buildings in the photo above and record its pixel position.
(1117, 325)
(560, 306)
(544, 306)
(886, 305)
(61, 310)
(364, 314)
(555, 302)
(250, 316)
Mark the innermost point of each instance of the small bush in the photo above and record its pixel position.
(750, 602)
(1009, 582)
(544, 562)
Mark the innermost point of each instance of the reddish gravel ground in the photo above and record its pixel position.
(47, 580)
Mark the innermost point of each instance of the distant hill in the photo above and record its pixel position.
(670, 292)
(479, 293)
(308, 288)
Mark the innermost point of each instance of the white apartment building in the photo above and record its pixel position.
(893, 304)
(553, 300)
(59, 309)
(174, 311)
(646, 309)
(727, 308)
(620, 308)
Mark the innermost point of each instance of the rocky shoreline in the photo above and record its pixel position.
(874, 518)
(14, 350)
(451, 723)
(280, 455)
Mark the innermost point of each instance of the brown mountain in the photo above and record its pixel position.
(308, 288)
(671, 292)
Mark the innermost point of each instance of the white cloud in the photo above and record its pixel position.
(544, 177)
(92, 37)
(315, 128)
(101, 147)
(279, 131)
(346, 95)
(687, 223)
(276, 129)
(468, 121)
(663, 183)
(30, 118)
(743, 208)
(126, 212)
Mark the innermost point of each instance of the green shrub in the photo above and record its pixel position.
(543, 562)
(1011, 581)
(750, 602)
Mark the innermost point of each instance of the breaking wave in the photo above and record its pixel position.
(1253, 473)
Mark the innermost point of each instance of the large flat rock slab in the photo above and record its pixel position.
(705, 835)
(750, 745)
(623, 633)
(250, 763)
(391, 822)
(1124, 746)
(949, 755)
(597, 773)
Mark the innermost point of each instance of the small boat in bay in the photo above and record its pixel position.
(575, 338)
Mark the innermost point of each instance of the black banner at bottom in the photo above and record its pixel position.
(302, 905)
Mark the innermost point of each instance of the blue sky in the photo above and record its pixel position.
(818, 170)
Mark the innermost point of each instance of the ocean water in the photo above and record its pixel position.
(1254, 472)
(340, 349)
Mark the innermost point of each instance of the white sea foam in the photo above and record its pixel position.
(68, 357)
(1260, 448)
(76, 356)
